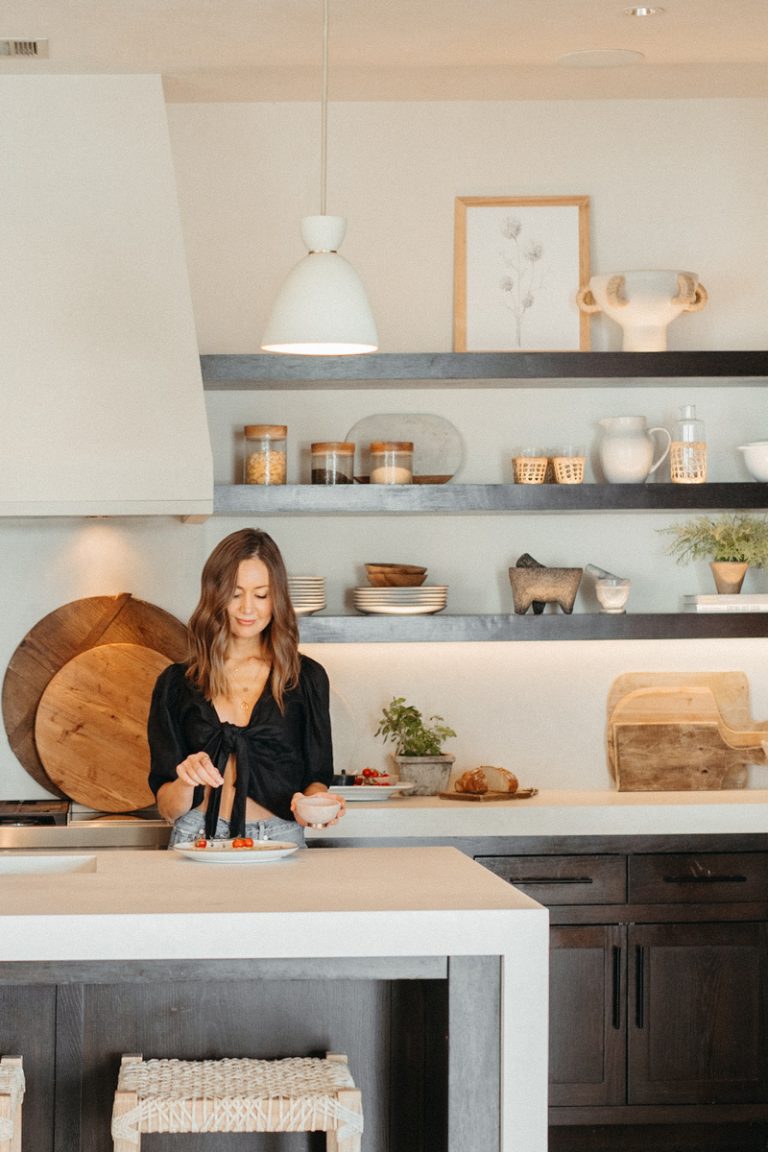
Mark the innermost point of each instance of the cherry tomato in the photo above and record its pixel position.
(242, 842)
(201, 843)
(370, 772)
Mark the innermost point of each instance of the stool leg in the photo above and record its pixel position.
(14, 1144)
(124, 1103)
(351, 1099)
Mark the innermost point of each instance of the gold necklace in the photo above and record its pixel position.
(245, 703)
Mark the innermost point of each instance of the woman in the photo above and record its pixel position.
(244, 726)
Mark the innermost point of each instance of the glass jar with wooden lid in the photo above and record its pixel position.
(265, 455)
(332, 462)
(391, 462)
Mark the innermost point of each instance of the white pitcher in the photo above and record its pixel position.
(627, 447)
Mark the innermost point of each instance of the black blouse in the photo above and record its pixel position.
(276, 754)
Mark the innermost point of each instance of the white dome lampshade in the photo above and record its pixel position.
(322, 308)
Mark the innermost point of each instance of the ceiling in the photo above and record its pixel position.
(234, 50)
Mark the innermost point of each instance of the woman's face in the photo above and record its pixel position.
(250, 609)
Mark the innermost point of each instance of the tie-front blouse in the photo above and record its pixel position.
(276, 754)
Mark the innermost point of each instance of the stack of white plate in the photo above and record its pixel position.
(401, 601)
(307, 593)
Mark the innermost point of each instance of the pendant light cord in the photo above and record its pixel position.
(324, 115)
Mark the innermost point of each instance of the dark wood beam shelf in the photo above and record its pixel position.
(548, 626)
(309, 499)
(482, 369)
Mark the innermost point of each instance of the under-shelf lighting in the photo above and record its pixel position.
(322, 308)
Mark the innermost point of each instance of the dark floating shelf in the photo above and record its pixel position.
(483, 369)
(308, 499)
(549, 626)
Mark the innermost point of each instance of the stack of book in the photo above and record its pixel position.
(749, 602)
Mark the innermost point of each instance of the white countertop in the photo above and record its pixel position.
(339, 902)
(550, 813)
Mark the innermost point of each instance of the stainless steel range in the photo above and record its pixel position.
(64, 824)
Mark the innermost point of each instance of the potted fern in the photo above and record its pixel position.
(732, 543)
(418, 746)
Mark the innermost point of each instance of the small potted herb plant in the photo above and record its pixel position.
(732, 543)
(418, 746)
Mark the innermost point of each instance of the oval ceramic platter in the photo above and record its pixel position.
(222, 852)
(438, 450)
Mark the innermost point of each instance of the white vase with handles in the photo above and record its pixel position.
(643, 303)
(627, 449)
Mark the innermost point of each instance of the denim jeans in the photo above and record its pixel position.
(192, 825)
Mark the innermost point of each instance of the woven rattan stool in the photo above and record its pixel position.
(293, 1095)
(11, 1096)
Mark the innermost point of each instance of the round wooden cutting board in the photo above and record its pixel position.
(66, 632)
(91, 726)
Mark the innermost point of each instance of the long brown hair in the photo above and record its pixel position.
(209, 623)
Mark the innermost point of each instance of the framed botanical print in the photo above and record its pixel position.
(518, 265)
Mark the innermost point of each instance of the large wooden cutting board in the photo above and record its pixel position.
(66, 632)
(91, 726)
(670, 731)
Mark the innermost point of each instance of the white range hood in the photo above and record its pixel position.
(103, 410)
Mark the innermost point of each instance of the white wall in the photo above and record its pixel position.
(671, 184)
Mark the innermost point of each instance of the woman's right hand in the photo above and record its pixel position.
(199, 769)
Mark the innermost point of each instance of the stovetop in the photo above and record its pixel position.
(65, 824)
(33, 813)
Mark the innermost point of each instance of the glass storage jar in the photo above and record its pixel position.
(391, 462)
(332, 462)
(265, 453)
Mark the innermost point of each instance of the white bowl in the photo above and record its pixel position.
(317, 810)
(756, 458)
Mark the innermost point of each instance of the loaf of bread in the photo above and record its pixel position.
(473, 780)
(486, 778)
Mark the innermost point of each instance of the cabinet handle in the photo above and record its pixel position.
(552, 880)
(708, 878)
(616, 1006)
(640, 986)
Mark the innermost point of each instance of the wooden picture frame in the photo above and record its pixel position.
(519, 262)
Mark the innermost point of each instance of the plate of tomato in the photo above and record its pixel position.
(240, 850)
(371, 784)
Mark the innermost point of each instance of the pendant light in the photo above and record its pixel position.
(322, 309)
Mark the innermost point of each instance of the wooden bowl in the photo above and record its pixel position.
(395, 575)
(394, 579)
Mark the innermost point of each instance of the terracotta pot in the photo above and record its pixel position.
(729, 575)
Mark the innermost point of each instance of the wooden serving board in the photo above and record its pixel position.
(91, 726)
(521, 794)
(64, 633)
(677, 758)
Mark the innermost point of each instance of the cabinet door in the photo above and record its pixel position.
(697, 1016)
(587, 1029)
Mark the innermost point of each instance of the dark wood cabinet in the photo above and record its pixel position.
(697, 1014)
(587, 1039)
(658, 982)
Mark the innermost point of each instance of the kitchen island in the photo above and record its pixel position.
(428, 971)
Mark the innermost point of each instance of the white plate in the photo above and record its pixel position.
(428, 591)
(371, 791)
(438, 450)
(222, 852)
(400, 609)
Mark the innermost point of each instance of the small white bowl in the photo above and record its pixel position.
(317, 810)
(756, 458)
